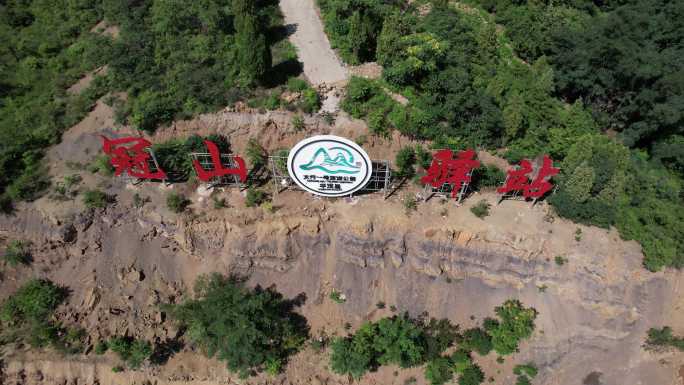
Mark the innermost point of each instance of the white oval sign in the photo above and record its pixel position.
(329, 166)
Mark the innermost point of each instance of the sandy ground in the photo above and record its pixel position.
(321, 65)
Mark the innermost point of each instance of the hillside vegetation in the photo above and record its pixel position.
(174, 59)
(558, 78)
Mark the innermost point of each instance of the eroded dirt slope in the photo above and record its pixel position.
(121, 263)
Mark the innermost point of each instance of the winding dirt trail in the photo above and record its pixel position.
(321, 64)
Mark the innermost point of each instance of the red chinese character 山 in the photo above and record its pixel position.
(446, 169)
(219, 170)
(518, 179)
(128, 154)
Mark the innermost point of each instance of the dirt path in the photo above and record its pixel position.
(321, 65)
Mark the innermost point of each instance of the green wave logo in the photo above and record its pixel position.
(341, 163)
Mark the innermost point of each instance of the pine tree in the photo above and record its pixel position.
(253, 51)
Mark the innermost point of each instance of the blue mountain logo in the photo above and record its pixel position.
(341, 163)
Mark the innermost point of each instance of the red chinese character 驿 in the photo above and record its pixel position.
(518, 179)
(219, 170)
(132, 158)
(446, 169)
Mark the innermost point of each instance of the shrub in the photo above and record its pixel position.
(220, 203)
(25, 315)
(132, 351)
(247, 328)
(298, 122)
(405, 161)
(95, 199)
(472, 375)
(297, 85)
(439, 371)
(338, 297)
(397, 340)
(176, 202)
(30, 185)
(515, 323)
(477, 340)
(101, 164)
(101, 348)
(255, 154)
(410, 204)
(423, 157)
(17, 252)
(560, 260)
(139, 201)
(658, 338)
(281, 161)
(488, 177)
(272, 102)
(351, 356)
(255, 197)
(311, 102)
(529, 370)
(481, 209)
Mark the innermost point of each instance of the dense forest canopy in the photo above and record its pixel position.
(597, 85)
(173, 58)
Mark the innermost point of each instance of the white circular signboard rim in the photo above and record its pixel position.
(329, 138)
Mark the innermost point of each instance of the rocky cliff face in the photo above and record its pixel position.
(120, 264)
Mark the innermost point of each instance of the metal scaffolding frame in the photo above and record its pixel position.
(445, 190)
(516, 195)
(380, 180)
(227, 161)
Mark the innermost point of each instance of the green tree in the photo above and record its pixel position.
(247, 328)
(17, 252)
(405, 161)
(604, 63)
(593, 181)
(132, 351)
(353, 355)
(26, 314)
(439, 371)
(399, 341)
(515, 323)
(472, 375)
(253, 51)
(477, 340)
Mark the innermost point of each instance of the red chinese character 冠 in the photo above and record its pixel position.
(518, 179)
(132, 159)
(219, 170)
(445, 169)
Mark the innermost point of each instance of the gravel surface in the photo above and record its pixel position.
(321, 64)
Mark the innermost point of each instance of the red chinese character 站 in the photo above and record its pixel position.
(133, 159)
(541, 185)
(518, 179)
(219, 170)
(446, 169)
